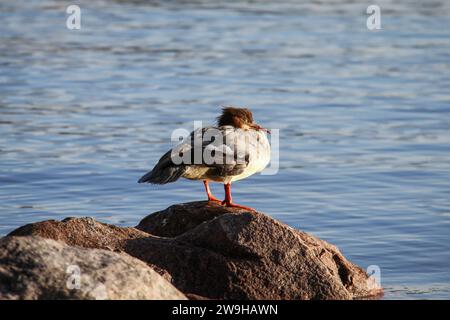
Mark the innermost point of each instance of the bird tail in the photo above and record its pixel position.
(163, 175)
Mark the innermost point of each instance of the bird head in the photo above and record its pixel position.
(241, 118)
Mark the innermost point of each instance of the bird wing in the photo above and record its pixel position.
(223, 149)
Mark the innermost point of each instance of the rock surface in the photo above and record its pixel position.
(180, 218)
(38, 268)
(223, 253)
(83, 232)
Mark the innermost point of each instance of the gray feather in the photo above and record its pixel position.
(164, 172)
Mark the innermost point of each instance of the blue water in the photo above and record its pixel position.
(364, 117)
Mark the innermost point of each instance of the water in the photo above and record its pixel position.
(364, 117)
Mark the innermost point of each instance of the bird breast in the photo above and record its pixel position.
(259, 154)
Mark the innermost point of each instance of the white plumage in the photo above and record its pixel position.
(251, 143)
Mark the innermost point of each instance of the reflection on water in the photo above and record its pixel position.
(364, 117)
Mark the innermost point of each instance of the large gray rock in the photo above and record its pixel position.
(234, 254)
(210, 251)
(38, 268)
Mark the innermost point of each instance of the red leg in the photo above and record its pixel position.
(228, 202)
(208, 192)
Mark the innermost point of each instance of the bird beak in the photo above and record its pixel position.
(258, 127)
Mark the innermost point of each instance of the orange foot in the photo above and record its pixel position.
(212, 198)
(235, 205)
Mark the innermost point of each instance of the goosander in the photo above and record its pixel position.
(233, 150)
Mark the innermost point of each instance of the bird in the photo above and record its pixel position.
(232, 150)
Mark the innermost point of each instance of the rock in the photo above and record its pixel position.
(83, 232)
(87, 233)
(37, 268)
(180, 218)
(226, 253)
(250, 256)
